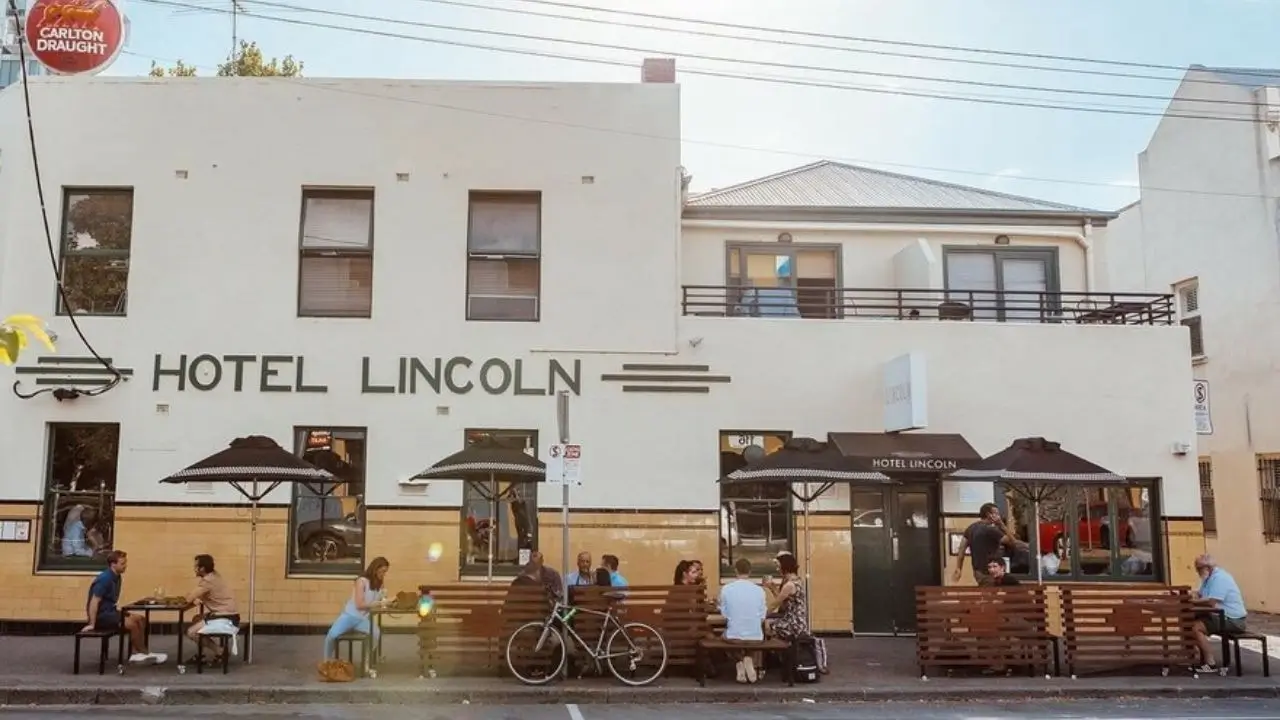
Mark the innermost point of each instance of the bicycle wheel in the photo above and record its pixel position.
(531, 665)
(637, 654)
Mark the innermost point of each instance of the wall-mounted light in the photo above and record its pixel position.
(1002, 239)
(784, 237)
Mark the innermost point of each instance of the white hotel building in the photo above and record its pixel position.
(385, 268)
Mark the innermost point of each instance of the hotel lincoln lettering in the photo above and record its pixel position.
(457, 375)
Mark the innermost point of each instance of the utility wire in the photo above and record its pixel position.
(741, 61)
(712, 143)
(821, 46)
(879, 41)
(117, 376)
(706, 73)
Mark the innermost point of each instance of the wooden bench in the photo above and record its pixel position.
(984, 627)
(469, 624)
(708, 645)
(1108, 627)
(105, 636)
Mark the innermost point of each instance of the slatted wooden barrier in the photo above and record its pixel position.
(468, 627)
(1107, 627)
(677, 612)
(998, 628)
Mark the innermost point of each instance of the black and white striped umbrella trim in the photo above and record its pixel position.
(1044, 477)
(448, 471)
(249, 472)
(804, 473)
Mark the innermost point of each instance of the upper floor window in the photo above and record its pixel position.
(499, 518)
(97, 233)
(1208, 508)
(327, 520)
(1269, 496)
(504, 256)
(778, 280)
(1189, 314)
(756, 519)
(80, 496)
(335, 275)
(1003, 284)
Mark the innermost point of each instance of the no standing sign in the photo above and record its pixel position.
(75, 37)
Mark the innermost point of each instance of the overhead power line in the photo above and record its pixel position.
(711, 143)
(701, 72)
(875, 41)
(739, 61)
(820, 46)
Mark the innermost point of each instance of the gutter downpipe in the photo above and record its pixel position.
(1085, 240)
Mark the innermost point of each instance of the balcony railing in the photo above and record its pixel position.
(903, 304)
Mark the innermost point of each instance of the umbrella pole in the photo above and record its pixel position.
(1037, 551)
(493, 522)
(253, 570)
(808, 553)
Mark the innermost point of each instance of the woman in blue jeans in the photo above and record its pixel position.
(367, 593)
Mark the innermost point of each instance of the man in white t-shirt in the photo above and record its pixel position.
(742, 603)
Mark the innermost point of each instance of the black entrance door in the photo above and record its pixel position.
(895, 548)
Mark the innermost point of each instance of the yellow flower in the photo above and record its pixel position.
(14, 332)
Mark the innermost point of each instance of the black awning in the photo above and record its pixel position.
(926, 453)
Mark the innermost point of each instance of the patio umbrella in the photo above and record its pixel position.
(486, 461)
(254, 466)
(806, 461)
(1036, 468)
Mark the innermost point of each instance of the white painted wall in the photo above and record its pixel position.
(1208, 211)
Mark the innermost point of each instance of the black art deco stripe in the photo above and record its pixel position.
(662, 378)
(60, 371)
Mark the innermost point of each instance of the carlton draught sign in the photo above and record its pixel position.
(75, 37)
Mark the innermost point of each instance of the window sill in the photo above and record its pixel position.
(468, 576)
(1199, 359)
(64, 313)
(346, 575)
(69, 572)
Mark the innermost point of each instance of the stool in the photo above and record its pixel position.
(105, 636)
(352, 639)
(1235, 638)
(224, 644)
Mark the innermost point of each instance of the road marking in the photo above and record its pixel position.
(574, 712)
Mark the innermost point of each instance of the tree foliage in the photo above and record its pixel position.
(247, 61)
(16, 332)
(95, 259)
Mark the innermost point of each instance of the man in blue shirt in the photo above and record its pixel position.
(1218, 586)
(743, 605)
(610, 563)
(102, 609)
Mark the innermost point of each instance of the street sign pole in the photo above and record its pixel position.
(562, 424)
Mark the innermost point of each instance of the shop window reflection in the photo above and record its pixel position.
(503, 514)
(757, 519)
(1086, 533)
(327, 520)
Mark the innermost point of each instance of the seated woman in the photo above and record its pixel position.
(366, 594)
(793, 616)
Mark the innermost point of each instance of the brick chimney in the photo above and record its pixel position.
(658, 70)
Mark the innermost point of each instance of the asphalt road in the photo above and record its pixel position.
(1075, 710)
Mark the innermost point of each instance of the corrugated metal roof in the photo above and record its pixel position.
(1252, 78)
(833, 185)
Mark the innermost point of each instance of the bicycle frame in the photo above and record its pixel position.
(611, 623)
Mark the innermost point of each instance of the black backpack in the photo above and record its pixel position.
(807, 666)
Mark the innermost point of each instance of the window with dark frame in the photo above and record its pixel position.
(97, 235)
(1269, 496)
(335, 256)
(1088, 533)
(1010, 284)
(1189, 314)
(757, 520)
(80, 495)
(502, 515)
(504, 256)
(326, 520)
(1208, 509)
(780, 280)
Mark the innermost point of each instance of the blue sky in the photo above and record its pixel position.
(780, 126)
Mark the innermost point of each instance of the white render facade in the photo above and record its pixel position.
(1207, 228)
(214, 294)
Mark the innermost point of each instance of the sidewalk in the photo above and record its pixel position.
(37, 671)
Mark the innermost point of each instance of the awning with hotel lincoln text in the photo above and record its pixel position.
(926, 453)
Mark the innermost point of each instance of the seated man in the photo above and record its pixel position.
(103, 610)
(1218, 586)
(213, 592)
(743, 605)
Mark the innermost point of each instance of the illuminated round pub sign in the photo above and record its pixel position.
(75, 37)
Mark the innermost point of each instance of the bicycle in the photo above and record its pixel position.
(544, 640)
